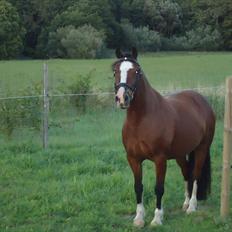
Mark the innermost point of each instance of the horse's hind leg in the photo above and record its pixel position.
(136, 167)
(183, 163)
(161, 165)
(201, 177)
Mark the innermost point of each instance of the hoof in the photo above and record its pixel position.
(157, 220)
(139, 218)
(192, 206)
(185, 207)
(190, 210)
(139, 223)
(155, 223)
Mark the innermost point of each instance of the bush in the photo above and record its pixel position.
(81, 86)
(16, 113)
(9, 116)
(30, 108)
(141, 37)
(218, 104)
(204, 38)
(201, 39)
(71, 42)
(175, 44)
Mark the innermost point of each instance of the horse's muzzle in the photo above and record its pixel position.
(123, 101)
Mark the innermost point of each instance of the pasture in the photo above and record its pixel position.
(83, 182)
(164, 70)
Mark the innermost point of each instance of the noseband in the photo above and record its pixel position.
(129, 90)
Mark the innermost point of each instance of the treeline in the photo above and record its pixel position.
(89, 28)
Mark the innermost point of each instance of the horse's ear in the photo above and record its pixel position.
(118, 53)
(134, 52)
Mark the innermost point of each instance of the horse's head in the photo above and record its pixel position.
(127, 74)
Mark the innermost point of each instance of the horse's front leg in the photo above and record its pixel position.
(136, 167)
(161, 165)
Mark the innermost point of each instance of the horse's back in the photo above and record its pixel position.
(190, 101)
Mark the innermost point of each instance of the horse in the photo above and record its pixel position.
(158, 128)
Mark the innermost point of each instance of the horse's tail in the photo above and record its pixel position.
(204, 181)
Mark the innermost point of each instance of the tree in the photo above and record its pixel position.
(163, 16)
(141, 37)
(226, 24)
(11, 31)
(71, 42)
(169, 18)
(89, 12)
(218, 15)
(35, 16)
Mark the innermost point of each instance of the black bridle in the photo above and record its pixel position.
(129, 90)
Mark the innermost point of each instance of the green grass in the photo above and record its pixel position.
(164, 70)
(83, 182)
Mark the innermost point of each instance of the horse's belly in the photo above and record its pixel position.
(184, 143)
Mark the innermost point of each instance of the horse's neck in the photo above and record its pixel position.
(145, 99)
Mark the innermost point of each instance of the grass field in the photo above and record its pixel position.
(83, 182)
(164, 70)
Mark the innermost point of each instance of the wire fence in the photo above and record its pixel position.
(56, 109)
(207, 89)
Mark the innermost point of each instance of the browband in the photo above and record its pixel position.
(132, 60)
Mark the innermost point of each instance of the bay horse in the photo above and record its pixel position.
(158, 128)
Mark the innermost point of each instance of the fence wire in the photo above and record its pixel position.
(162, 91)
(24, 114)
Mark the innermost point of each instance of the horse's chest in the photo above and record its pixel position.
(135, 146)
(148, 136)
(138, 149)
(139, 142)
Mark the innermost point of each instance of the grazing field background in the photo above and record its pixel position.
(82, 181)
(164, 70)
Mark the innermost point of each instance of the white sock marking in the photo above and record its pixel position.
(193, 201)
(157, 220)
(186, 194)
(140, 214)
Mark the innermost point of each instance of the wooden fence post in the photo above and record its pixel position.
(227, 151)
(45, 106)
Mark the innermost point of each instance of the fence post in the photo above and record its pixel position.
(45, 106)
(227, 150)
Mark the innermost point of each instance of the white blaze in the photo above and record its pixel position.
(124, 68)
